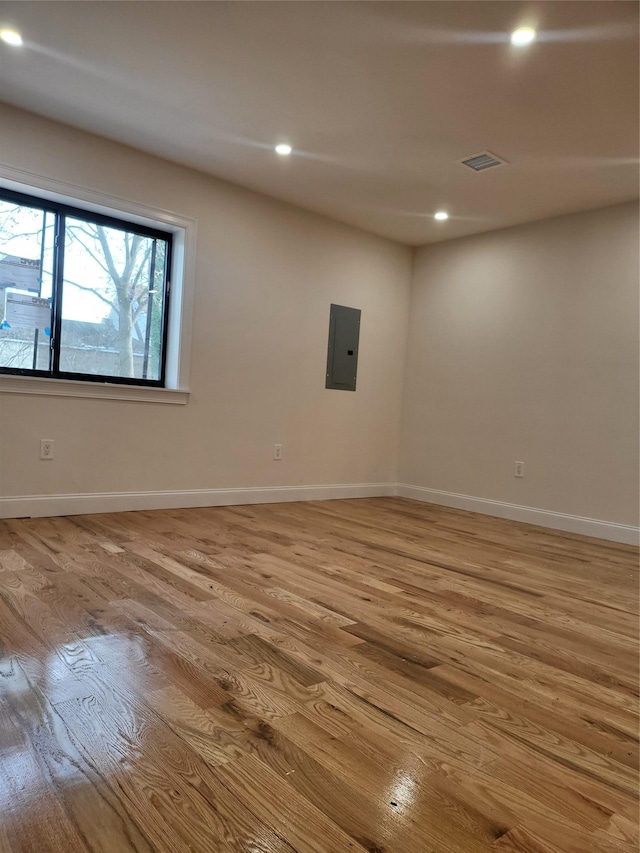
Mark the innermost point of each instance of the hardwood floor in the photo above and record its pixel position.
(334, 677)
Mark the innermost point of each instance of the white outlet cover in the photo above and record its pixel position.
(46, 448)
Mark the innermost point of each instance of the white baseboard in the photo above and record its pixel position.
(37, 506)
(556, 520)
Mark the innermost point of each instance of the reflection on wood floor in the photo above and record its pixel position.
(333, 677)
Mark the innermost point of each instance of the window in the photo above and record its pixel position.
(83, 295)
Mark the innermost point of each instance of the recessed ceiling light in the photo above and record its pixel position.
(11, 37)
(441, 215)
(283, 150)
(523, 35)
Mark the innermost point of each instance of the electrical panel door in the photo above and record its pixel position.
(342, 356)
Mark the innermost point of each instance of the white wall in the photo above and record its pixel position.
(266, 274)
(523, 345)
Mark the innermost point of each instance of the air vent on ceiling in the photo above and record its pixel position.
(482, 161)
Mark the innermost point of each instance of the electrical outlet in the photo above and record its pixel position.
(518, 469)
(277, 451)
(46, 448)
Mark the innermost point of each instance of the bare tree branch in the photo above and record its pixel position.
(87, 249)
(138, 310)
(113, 272)
(136, 280)
(90, 290)
(132, 254)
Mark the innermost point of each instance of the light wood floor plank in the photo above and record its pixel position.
(369, 675)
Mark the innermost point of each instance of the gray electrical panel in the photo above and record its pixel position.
(342, 356)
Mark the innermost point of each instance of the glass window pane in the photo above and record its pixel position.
(112, 301)
(26, 264)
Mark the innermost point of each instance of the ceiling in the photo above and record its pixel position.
(380, 100)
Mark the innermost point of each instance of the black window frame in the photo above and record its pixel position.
(61, 210)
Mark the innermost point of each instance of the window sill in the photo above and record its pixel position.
(96, 390)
